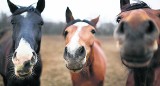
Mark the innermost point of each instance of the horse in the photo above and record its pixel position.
(20, 61)
(83, 55)
(138, 40)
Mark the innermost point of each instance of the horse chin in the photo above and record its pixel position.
(136, 64)
(23, 74)
(74, 70)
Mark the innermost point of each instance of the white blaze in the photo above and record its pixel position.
(73, 45)
(24, 50)
(24, 14)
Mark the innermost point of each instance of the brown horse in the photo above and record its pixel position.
(138, 40)
(83, 54)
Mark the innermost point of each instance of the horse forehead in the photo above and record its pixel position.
(80, 24)
(31, 16)
(137, 15)
(76, 28)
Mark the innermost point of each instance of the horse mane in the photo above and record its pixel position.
(134, 6)
(24, 9)
(78, 20)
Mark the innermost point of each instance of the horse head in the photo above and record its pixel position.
(27, 23)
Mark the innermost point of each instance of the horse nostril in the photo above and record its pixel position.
(27, 64)
(65, 50)
(81, 49)
(66, 54)
(14, 55)
(14, 59)
(34, 59)
(150, 27)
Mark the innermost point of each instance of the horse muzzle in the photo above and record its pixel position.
(74, 66)
(75, 61)
(23, 70)
(136, 61)
(23, 66)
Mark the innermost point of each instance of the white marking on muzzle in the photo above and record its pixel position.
(73, 45)
(24, 51)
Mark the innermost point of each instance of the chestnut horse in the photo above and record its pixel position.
(20, 62)
(138, 39)
(83, 54)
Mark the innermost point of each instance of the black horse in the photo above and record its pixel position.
(20, 62)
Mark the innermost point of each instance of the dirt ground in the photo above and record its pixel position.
(54, 70)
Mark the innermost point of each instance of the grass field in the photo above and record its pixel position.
(54, 70)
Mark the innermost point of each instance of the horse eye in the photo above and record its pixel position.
(41, 23)
(12, 22)
(118, 19)
(93, 31)
(65, 33)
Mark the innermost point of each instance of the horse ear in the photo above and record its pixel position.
(12, 7)
(40, 5)
(69, 16)
(124, 2)
(95, 21)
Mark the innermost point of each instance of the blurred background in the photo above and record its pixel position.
(54, 70)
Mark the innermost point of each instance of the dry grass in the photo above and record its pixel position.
(54, 70)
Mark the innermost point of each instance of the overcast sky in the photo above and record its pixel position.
(83, 9)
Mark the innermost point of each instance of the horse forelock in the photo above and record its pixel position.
(76, 21)
(26, 9)
(134, 6)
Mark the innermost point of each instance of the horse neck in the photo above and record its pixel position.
(143, 76)
(96, 60)
(156, 60)
(146, 76)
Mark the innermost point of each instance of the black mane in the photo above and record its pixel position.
(134, 6)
